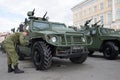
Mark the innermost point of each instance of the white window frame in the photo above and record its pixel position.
(109, 3)
(108, 19)
(118, 14)
(101, 6)
(102, 20)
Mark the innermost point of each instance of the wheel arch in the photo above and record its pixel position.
(52, 48)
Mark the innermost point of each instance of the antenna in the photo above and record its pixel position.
(33, 11)
(44, 19)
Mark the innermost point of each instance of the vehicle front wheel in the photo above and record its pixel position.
(110, 51)
(79, 60)
(41, 55)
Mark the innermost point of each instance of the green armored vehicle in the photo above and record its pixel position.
(51, 39)
(104, 40)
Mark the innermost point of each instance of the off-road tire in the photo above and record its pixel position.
(110, 51)
(41, 55)
(79, 60)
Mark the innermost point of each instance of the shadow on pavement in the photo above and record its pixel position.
(102, 56)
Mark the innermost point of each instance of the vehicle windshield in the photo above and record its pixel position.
(40, 26)
(106, 31)
(55, 25)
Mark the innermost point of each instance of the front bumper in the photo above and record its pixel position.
(70, 52)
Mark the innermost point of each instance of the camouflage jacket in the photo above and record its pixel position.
(15, 38)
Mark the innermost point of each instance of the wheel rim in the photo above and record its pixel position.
(37, 57)
(107, 51)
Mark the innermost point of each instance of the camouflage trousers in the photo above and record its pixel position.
(12, 57)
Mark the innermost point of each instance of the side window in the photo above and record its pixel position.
(58, 25)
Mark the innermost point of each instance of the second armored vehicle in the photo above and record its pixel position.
(104, 40)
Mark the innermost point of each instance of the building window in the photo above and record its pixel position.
(102, 19)
(109, 18)
(89, 10)
(101, 6)
(118, 1)
(80, 16)
(95, 8)
(76, 16)
(109, 3)
(118, 14)
(95, 20)
(84, 13)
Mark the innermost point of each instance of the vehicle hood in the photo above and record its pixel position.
(63, 30)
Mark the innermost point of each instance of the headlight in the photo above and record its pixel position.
(53, 39)
(83, 39)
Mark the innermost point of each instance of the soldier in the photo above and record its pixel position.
(9, 46)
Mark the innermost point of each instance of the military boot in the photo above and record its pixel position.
(17, 70)
(10, 69)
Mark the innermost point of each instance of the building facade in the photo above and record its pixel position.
(108, 11)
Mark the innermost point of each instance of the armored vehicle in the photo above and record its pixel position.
(51, 39)
(104, 40)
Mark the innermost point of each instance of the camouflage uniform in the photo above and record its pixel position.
(9, 46)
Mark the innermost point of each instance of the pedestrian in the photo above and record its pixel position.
(9, 46)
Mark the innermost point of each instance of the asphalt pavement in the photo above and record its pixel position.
(94, 68)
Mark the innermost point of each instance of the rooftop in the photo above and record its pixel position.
(81, 4)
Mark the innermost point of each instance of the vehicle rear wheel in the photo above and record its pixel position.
(41, 55)
(110, 51)
(79, 60)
